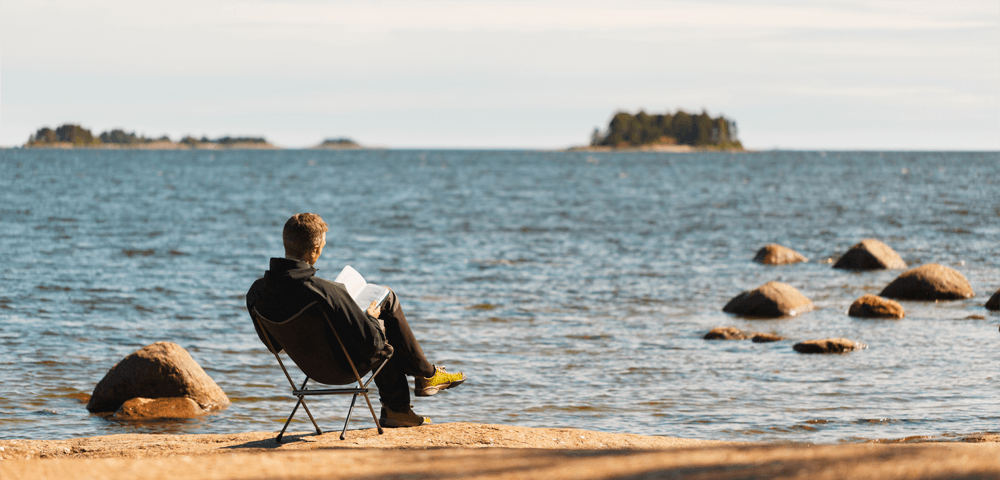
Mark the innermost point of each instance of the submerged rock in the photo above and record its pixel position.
(727, 333)
(766, 338)
(874, 306)
(870, 254)
(160, 370)
(774, 254)
(773, 299)
(929, 282)
(159, 408)
(994, 302)
(828, 345)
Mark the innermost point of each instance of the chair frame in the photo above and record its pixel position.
(302, 391)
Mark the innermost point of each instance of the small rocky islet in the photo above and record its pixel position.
(776, 299)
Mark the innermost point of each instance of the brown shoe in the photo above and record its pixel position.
(441, 380)
(391, 419)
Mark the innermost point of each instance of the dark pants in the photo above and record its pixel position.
(407, 358)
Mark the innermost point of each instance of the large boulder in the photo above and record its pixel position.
(159, 408)
(828, 345)
(874, 306)
(727, 333)
(929, 282)
(774, 254)
(773, 299)
(870, 254)
(994, 302)
(160, 370)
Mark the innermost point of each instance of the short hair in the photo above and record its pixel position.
(302, 233)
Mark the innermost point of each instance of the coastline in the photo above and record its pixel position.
(471, 450)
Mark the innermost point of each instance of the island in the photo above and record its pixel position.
(75, 136)
(679, 131)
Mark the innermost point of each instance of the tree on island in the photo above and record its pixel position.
(681, 128)
(72, 134)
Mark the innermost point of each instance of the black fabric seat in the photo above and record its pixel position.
(311, 341)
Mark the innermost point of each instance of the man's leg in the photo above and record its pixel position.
(408, 354)
(407, 358)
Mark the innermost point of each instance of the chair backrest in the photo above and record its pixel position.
(308, 339)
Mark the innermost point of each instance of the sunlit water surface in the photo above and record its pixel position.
(572, 288)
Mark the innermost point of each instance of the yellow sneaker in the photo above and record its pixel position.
(391, 419)
(442, 380)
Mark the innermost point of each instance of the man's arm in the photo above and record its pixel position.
(362, 334)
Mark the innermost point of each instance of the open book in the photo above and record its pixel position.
(362, 292)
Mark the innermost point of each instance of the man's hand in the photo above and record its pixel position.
(374, 309)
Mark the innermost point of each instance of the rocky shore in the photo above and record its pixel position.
(469, 450)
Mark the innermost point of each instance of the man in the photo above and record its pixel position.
(291, 284)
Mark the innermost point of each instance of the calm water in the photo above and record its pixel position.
(572, 288)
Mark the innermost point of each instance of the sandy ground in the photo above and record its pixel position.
(467, 450)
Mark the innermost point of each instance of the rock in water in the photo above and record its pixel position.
(828, 345)
(727, 333)
(160, 370)
(870, 254)
(773, 299)
(149, 409)
(774, 254)
(929, 282)
(766, 338)
(994, 302)
(874, 306)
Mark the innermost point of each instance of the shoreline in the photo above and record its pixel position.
(472, 450)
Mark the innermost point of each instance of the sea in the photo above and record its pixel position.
(572, 288)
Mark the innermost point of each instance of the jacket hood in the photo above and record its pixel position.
(292, 269)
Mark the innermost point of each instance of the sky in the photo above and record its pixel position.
(795, 74)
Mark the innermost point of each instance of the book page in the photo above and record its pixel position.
(371, 293)
(352, 280)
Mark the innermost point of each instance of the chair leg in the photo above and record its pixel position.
(378, 424)
(282, 432)
(343, 433)
(318, 431)
(301, 399)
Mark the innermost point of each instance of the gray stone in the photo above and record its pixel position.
(774, 254)
(727, 333)
(771, 300)
(929, 282)
(874, 306)
(828, 345)
(159, 408)
(870, 254)
(160, 370)
(994, 302)
(766, 338)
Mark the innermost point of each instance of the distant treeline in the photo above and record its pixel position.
(79, 136)
(680, 128)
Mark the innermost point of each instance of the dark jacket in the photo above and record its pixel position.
(290, 285)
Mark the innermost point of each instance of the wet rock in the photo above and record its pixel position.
(159, 408)
(929, 282)
(160, 370)
(774, 254)
(727, 333)
(766, 338)
(773, 299)
(828, 345)
(994, 302)
(870, 254)
(874, 306)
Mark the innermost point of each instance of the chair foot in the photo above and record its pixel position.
(278, 439)
(343, 436)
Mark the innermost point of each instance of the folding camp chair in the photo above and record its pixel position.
(305, 338)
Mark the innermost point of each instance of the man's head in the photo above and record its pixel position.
(304, 237)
